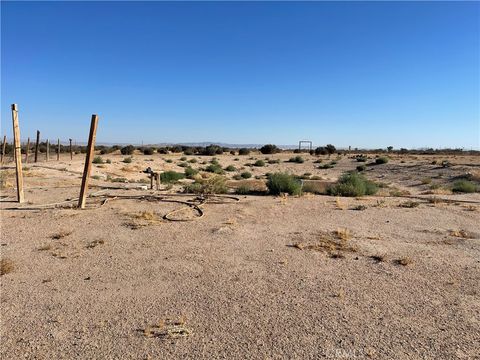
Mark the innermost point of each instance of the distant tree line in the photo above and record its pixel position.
(212, 150)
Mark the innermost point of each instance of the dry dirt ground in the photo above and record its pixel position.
(262, 278)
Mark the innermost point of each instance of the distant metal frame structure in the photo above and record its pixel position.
(305, 142)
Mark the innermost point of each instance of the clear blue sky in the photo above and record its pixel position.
(367, 74)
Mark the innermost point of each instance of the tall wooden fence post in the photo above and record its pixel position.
(18, 153)
(27, 151)
(88, 162)
(47, 154)
(37, 145)
(3, 146)
(58, 149)
(71, 152)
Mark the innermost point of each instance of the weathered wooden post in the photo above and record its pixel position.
(4, 146)
(37, 143)
(88, 162)
(71, 152)
(27, 151)
(47, 154)
(58, 149)
(18, 153)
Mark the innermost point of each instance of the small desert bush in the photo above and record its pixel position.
(6, 266)
(169, 161)
(274, 161)
(464, 186)
(246, 175)
(269, 149)
(127, 150)
(362, 159)
(190, 172)
(259, 163)
(327, 166)
(352, 184)
(279, 183)
(171, 177)
(97, 160)
(183, 164)
(243, 151)
(192, 161)
(361, 168)
(297, 159)
(215, 168)
(426, 180)
(381, 160)
(127, 160)
(213, 185)
(183, 158)
(243, 189)
(148, 151)
(230, 168)
(108, 161)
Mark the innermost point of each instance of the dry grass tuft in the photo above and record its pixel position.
(462, 234)
(168, 329)
(409, 204)
(61, 234)
(404, 261)
(95, 243)
(340, 204)
(141, 219)
(378, 258)
(329, 243)
(6, 266)
(45, 247)
(342, 234)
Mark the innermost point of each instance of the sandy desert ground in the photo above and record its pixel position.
(264, 277)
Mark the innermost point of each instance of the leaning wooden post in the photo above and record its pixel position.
(47, 154)
(27, 151)
(37, 145)
(58, 149)
(71, 152)
(88, 162)
(18, 153)
(3, 146)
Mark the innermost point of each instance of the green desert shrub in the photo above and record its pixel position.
(274, 161)
(246, 175)
(214, 168)
(381, 160)
(361, 168)
(243, 151)
(127, 160)
(169, 161)
(259, 163)
(168, 177)
(352, 184)
(190, 172)
(269, 149)
(327, 166)
(97, 160)
(127, 150)
(278, 183)
(230, 168)
(297, 159)
(183, 158)
(192, 161)
(148, 151)
(243, 189)
(464, 186)
(213, 185)
(183, 164)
